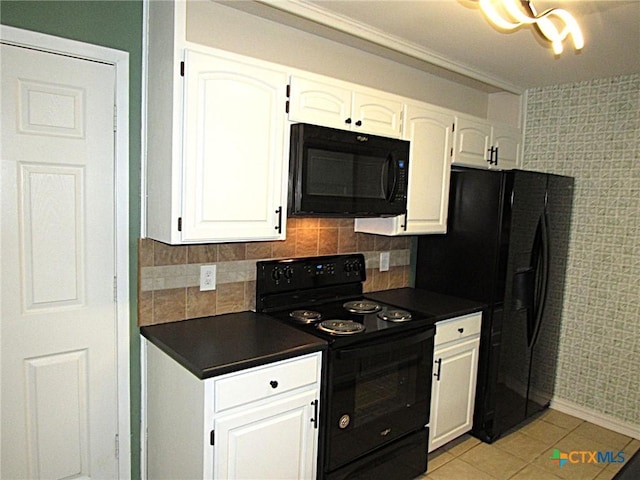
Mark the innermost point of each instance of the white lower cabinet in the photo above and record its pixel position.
(268, 441)
(455, 367)
(256, 423)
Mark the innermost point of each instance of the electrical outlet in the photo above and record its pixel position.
(207, 277)
(384, 261)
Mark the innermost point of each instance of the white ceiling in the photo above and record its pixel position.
(453, 35)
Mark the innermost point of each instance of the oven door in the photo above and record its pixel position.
(377, 392)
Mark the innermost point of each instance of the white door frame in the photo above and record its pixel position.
(120, 60)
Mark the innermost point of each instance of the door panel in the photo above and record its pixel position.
(224, 97)
(59, 370)
(268, 441)
(545, 349)
(453, 393)
(58, 381)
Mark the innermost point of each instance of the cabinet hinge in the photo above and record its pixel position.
(453, 127)
(182, 69)
(117, 446)
(179, 224)
(212, 438)
(115, 118)
(286, 105)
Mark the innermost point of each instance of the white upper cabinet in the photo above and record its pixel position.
(217, 142)
(507, 141)
(485, 144)
(430, 131)
(473, 142)
(331, 103)
(234, 152)
(217, 139)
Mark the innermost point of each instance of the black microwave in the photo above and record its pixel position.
(339, 173)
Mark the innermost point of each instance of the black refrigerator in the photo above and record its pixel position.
(506, 246)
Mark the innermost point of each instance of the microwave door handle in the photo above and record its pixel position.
(390, 180)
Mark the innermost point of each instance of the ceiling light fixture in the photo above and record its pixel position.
(554, 24)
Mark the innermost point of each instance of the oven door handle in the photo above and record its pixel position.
(385, 346)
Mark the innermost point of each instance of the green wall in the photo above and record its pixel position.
(118, 25)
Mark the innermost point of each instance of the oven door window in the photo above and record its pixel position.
(378, 393)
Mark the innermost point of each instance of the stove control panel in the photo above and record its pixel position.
(304, 273)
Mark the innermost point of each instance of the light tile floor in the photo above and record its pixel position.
(524, 454)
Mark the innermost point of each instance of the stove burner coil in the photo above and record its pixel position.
(305, 316)
(340, 327)
(362, 306)
(395, 315)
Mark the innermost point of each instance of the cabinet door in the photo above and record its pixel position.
(431, 135)
(234, 150)
(508, 141)
(430, 132)
(453, 391)
(376, 114)
(472, 142)
(319, 103)
(275, 440)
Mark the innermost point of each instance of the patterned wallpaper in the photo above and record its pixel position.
(591, 131)
(169, 276)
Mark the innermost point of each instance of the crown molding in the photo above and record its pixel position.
(317, 14)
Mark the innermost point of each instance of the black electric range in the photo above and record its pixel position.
(324, 296)
(378, 369)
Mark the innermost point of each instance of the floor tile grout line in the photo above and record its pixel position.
(527, 463)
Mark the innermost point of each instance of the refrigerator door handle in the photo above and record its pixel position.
(523, 289)
(540, 262)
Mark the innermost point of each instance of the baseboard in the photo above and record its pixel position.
(596, 418)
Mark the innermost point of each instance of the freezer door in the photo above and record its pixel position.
(524, 294)
(545, 346)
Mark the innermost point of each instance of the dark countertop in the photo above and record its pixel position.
(212, 346)
(441, 307)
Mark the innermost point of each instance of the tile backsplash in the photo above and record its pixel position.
(169, 276)
(591, 131)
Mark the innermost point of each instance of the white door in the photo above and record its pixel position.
(234, 136)
(319, 103)
(431, 136)
(58, 335)
(376, 114)
(508, 141)
(453, 392)
(472, 143)
(275, 440)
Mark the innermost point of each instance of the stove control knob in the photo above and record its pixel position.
(347, 267)
(356, 266)
(344, 421)
(276, 273)
(288, 272)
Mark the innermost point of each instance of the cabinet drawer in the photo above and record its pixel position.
(264, 382)
(458, 328)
